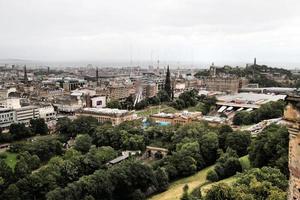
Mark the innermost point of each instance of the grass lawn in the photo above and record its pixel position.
(166, 109)
(245, 162)
(11, 159)
(197, 108)
(228, 181)
(175, 189)
(155, 109)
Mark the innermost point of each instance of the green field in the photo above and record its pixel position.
(155, 109)
(197, 108)
(245, 162)
(11, 159)
(166, 109)
(175, 189)
(229, 181)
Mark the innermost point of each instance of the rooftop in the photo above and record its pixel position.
(5, 110)
(106, 111)
(250, 98)
(182, 114)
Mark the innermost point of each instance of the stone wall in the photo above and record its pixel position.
(292, 119)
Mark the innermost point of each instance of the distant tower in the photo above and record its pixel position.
(25, 75)
(253, 68)
(48, 70)
(157, 64)
(213, 70)
(97, 76)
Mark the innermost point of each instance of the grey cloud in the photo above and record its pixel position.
(202, 30)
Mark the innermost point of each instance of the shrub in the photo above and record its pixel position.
(212, 176)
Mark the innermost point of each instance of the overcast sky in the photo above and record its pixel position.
(169, 30)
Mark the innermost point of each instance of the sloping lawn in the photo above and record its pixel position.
(197, 108)
(228, 181)
(11, 159)
(155, 109)
(245, 162)
(175, 189)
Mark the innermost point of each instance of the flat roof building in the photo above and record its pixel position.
(25, 114)
(247, 100)
(115, 116)
(7, 117)
(184, 117)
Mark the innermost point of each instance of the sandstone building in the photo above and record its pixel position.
(292, 119)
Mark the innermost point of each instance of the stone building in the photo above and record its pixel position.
(184, 117)
(292, 119)
(227, 84)
(115, 116)
(120, 92)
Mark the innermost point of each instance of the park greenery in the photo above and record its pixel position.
(255, 74)
(266, 111)
(269, 153)
(270, 148)
(265, 183)
(45, 169)
(18, 131)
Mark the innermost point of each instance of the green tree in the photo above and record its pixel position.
(97, 157)
(66, 127)
(22, 169)
(138, 195)
(19, 131)
(11, 193)
(185, 165)
(33, 161)
(269, 175)
(238, 141)
(162, 179)
(270, 148)
(185, 195)
(168, 87)
(85, 125)
(220, 191)
(114, 104)
(224, 130)
(212, 176)
(83, 143)
(38, 126)
(228, 164)
(192, 149)
(6, 174)
(132, 142)
(262, 183)
(209, 145)
(163, 96)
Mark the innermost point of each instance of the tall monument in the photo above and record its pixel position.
(25, 75)
(97, 76)
(292, 119)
